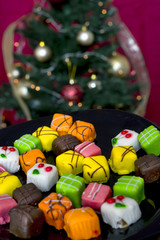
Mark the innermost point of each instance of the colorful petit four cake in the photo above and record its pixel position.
(27, 194)
(61, 123)
(82, 223)
(88, 149)
(130, 186)
(120, 211)
(127, 138)
(30, 158)
(122, 159)
(148, 167)
(2, 169)
(43, 175)
(54, 208)
(6, 203)
(9, 158)
(26, 221)
(47, 136)
(149, 140)
(27, 142)
(95, 194)
(69, 162)
(64, 143)
(96, 169)
(72, 187)
(84, 131)
(8, 183)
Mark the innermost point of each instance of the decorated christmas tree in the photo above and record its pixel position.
(74, 62)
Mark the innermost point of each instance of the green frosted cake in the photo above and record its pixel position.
(149, 140)
(72, 187)
(130, 186)
(27, 142)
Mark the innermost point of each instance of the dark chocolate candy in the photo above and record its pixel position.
(64, 143)
(26, 221)
(148, 167)
(27, 194)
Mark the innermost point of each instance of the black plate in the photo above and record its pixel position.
(108, 123)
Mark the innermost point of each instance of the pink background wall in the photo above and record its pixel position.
(141, 17)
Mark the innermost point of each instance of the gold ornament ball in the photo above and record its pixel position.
(120, 65)
(42, 53)
(85, 38)
(22, 89)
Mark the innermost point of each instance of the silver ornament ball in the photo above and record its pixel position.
(95, 84)
(17, 72)
(85, 38)
(42, 53)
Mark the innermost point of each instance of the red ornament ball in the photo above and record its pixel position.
(72, 93)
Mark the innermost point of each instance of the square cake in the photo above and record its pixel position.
(130, 186)
(27, 194)
(84, 131)
(122, 159)
(27, 142)
(9, 158)
(120, 211)
(64, 143)
(6, 203)
(96, 169)
(8, 183)
(46, 135)
(26, 221)
(30, 158)
(72, 187)
(149, 139)
(54, 207)
(69, 162)
(61, 123)
(95, 194)
(88, 149)
(82, 223)
(148, 167)
(43, 175)
(127, 137)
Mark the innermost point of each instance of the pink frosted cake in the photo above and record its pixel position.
(95, 194)
(88, 149)
(2, 169)
(6, 203)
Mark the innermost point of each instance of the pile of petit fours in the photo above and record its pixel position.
(79, 176)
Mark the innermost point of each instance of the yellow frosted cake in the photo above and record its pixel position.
(69, 162)
(46, 136)
(8, 183)
(122, 159)
(96, 169)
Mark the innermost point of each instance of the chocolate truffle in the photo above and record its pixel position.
(148, 167)
(64, 143)
(26, 221)
(27, 194)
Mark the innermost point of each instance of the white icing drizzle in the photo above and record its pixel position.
(25, 140)
(59, 118)
(62, 181)
(7, 197)
(96, 191)
(131, 180)
(81, 151)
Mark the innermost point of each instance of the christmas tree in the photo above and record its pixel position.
(77, 62)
